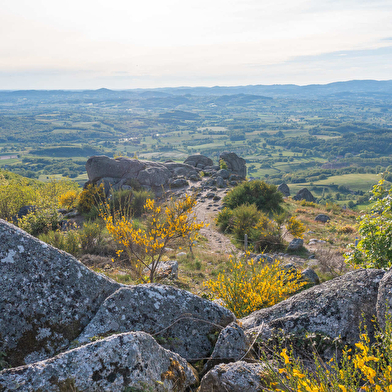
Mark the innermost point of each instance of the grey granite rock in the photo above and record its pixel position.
(130, 361)
(234, 377)
(199, 161)
(231, 346)
(283, 188)
(295, 244)
(47, 296)
(234, 163)
(384, 299)
(322, 218)
(304, 194)
(182, 321)
(334, 308)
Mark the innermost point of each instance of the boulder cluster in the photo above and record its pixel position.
(64, 327)
(124, 173)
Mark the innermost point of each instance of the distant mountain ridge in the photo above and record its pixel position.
(346, 89)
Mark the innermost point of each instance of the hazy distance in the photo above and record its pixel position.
(122, 44)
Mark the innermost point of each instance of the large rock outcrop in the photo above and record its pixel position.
(181, 321)
(47, 297)
(199, 161)
(334, 308)
(121, 171)
(234, 163)
(304, 194)
(131, 361)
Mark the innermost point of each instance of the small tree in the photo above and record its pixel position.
(374, 249)
(145, 246)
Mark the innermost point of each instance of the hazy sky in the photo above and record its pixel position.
(120, 44)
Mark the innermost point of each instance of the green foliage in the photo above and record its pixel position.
(91, 237)
(222, 164)
(91, 196)
(245, 216)
(42, 220)
(265, 196)
(363, 367)
(263, 233)
(224, 219)
(139, 200)
(374, 249)
(69, 241)
(248, 286)
(295, 227)
(16, 192)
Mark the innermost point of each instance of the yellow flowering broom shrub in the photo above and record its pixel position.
(145, 247)
(365, 368)
(69, 200)
(248, 286)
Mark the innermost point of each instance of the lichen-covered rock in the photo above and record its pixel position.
(284, 189)
(155, 176)
(334, 308)
(181, 321)
(234, 163)
(304, 194)
(231, 346)
(384, 299)
(165, 269)
(234, 377)
(102, 166)
(199, 161)
(47, 297)
(295, 244)
(309, 275)
(133, 361)
(220, 182)
(322, 218)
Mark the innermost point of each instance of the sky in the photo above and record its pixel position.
(125, 44)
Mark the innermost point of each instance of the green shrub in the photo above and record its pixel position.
(265, 236)
(265, 196)
(91, 197)
(39, 221)
(224, 220)
(139, 200)
(222, 164)
(245, 217)
(91, 238)
(374, 249)
(69, 241)
(120, 202)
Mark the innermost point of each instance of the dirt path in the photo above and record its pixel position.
(206, 211)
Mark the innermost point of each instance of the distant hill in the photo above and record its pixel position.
(336, 90)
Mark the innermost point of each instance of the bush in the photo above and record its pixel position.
(69, 241)
(248, 286)
(374, 249)
(266, 197)
(295, 227)
(69, 200)
(91, 237)
(245, 217)
(138, 202)
(266, 236)
(39, 221)
(91, 197)
(224, 220)
(120, 202)
(222, 164)
(365, 367)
